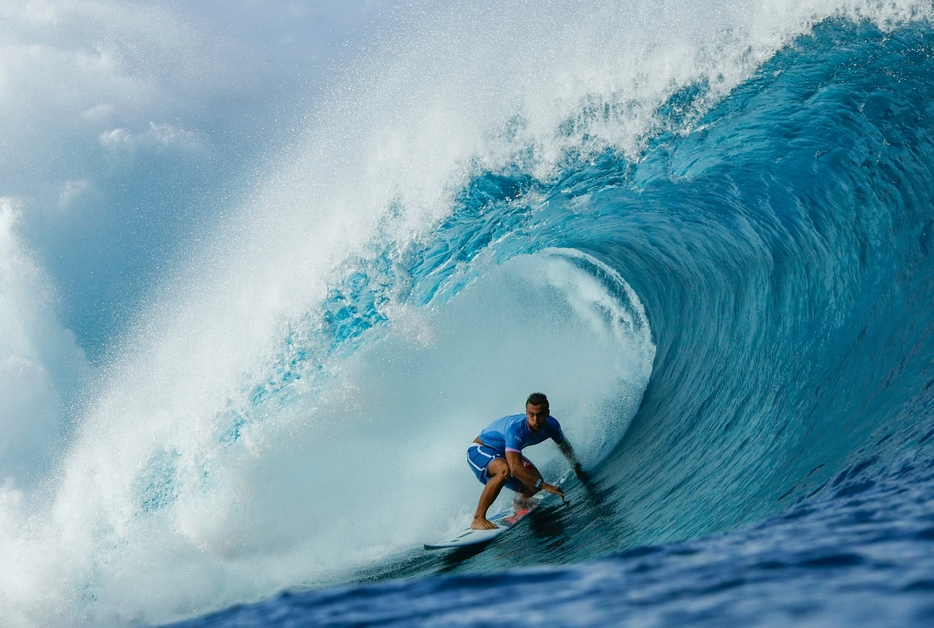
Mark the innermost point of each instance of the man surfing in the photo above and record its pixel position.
(496, 457)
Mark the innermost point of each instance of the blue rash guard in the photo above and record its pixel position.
(512, 433)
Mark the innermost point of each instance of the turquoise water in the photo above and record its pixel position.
(707, 241)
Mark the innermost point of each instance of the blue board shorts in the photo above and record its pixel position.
(479, 458)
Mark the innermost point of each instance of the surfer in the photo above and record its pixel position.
(496, 457)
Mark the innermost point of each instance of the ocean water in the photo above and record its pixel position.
(703, 229)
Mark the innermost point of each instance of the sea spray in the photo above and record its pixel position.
(586, 131)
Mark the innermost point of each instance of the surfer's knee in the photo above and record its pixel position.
(499, 470)
(503, 474)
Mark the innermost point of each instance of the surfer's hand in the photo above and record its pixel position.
(579, 472)
(554, 490)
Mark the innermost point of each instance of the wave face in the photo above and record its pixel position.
(723, 280)
(782, 251)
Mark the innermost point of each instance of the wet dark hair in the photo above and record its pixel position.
(538, 399)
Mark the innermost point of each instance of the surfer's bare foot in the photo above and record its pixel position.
(482, 524)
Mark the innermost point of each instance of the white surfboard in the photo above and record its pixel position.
(506, 520)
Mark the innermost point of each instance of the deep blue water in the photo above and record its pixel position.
(780, 468)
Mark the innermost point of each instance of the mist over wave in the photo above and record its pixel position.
(496, 200)
(41, 367)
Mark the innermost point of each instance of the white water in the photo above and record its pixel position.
(368, 464)
(447, 94)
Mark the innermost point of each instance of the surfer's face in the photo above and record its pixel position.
(536, 416)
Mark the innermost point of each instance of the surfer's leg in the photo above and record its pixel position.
(497, 472)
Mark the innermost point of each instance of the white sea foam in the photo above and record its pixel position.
(153, 512)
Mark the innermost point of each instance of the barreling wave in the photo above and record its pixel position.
(723, 282)
(781, 248)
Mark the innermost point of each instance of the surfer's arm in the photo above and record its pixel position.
(526, 475)
(530, 476)
(568, 452)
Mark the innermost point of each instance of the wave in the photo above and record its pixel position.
(709, 246)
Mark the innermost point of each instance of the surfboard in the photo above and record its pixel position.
(506, 520)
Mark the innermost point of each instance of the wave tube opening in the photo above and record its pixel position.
(359, 460)
(384, 445)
